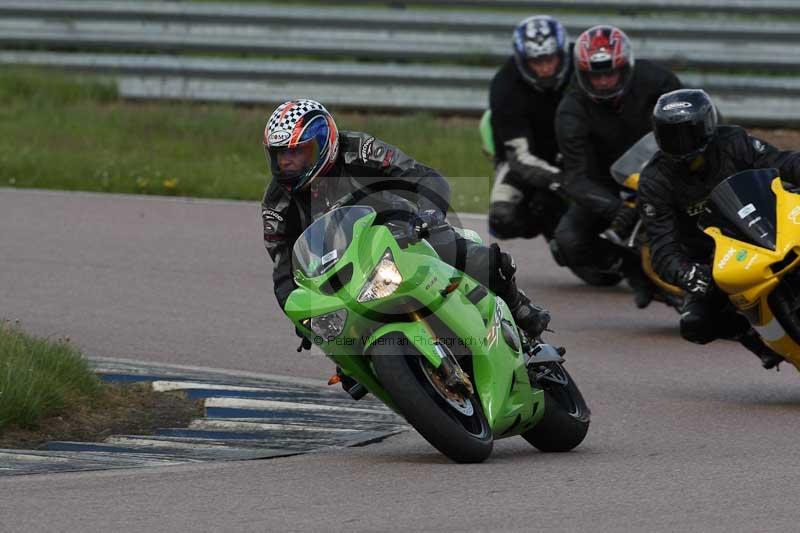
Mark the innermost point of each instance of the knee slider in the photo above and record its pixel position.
(502, 223)
(695, 329)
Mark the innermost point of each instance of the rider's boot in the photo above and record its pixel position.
(529, 317)
(753, 342)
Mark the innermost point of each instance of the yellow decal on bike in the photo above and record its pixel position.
(494, 332)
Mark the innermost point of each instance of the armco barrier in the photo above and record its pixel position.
(404, 58)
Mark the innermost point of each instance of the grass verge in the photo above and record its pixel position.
(71, 132)
(62, 131)
(48, 392)
(39, 378)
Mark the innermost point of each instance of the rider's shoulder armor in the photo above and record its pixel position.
(363, 151)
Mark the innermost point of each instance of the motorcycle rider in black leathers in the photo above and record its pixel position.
(696, 154)
(314, 166)
(598, 119)
(523, 97)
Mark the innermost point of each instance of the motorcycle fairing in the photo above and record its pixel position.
(500, 376)
(748, 273)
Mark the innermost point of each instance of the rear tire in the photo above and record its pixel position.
(596, 278)
(566, 417)
(459, 431)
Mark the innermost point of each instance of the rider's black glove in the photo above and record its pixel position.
(624, 220)
(424, 221)
(695, 278)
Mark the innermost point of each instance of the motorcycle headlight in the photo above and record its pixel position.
(330, 325)
(384, 280)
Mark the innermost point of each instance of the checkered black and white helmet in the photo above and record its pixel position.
(301, 126)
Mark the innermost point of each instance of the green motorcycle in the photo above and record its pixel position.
(429, 341)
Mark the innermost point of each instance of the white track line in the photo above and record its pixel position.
(237, 425)
(164, 386)
(274, 405)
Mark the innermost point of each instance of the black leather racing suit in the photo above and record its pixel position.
(591, 136)
(523, 127)
(368, 164)
(672, 197)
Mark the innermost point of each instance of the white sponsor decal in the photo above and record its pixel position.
(676, 105)
(330, 256)
(794, 215)
(754, 221)
(758, 145)
(271, 213)
(725, 258)
(366, 149)
(279, 136)
(746, 210)
(750, 263)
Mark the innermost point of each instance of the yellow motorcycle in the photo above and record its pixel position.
(755, 223)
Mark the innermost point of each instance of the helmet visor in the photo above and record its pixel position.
(682, 139)
(290, 165)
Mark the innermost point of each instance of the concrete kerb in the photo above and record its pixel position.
(248, 415)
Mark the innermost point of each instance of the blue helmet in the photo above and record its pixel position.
(540, 36)
(301, 142)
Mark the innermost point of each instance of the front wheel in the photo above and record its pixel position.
(453, 422)
(566, 416)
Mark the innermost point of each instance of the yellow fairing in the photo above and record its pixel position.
(742, 270)
(632, 181)
(647, 266)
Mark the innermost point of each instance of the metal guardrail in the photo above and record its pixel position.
(391, 19)
(376, 34)
(364, 44)
(749, 7)
(345, 72)
(774, 111)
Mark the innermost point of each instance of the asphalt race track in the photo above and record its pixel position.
(682, 437)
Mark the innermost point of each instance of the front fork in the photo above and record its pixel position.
(543, 362)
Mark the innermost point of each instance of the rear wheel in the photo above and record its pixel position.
(597, 278)
(452, 421)
(566, 416)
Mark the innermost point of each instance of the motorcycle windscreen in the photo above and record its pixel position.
(634, 160)
(745, 205)
(325, 241)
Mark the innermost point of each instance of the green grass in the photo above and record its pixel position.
(61, 131)
(39, 378)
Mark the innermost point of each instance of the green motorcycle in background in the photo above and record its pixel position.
(429, 341)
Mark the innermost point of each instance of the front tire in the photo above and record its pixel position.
(566, 416)
(456, 427)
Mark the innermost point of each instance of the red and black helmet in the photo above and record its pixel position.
(603, 62)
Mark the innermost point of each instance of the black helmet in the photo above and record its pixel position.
(684, 123)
